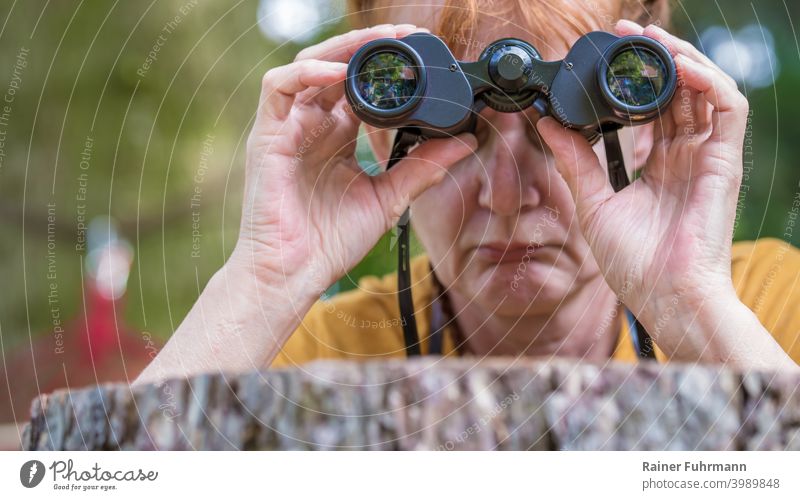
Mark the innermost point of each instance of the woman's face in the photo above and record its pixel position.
(500, 229)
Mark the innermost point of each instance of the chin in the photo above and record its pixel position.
(513, 291)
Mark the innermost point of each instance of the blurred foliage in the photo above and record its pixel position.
(86, 78)
(772, 177)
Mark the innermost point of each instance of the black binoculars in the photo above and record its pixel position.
(604, 82)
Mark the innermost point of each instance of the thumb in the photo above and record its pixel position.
(577, 163)
(425, 166)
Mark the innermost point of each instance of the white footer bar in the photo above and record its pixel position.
(401, 475)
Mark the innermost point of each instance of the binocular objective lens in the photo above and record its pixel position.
(636, 77)
(387, 80)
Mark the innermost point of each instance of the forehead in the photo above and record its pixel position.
(551, 37)
(551, 42)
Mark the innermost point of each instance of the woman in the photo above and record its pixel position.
(534, 252)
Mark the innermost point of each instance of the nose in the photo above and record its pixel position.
(508, 185)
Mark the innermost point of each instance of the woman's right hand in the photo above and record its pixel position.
(310, 213)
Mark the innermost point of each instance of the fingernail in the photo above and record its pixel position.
(381, 26)
(629, 23)
(543, 120)
(406, 26)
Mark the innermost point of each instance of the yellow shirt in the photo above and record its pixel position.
(365, 323)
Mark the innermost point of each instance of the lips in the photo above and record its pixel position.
(503, 253)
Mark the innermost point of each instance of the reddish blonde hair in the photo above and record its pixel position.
(458, 19)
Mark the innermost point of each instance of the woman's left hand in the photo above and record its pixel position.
(664, 242)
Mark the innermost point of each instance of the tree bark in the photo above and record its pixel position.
(432, 404)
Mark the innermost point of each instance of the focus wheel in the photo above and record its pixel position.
(505, 104)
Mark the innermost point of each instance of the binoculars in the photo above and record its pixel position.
(605, 82)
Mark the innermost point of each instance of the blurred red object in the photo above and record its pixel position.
(97, 345)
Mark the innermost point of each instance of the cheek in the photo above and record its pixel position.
(556, 196)
(440, 214)
(576, 248)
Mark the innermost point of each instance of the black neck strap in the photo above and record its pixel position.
(619, 179)
(403, 141)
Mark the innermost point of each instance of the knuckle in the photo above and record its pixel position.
(744, 101)
(251, 139)
(306, 65)
(741, 103)
(342, 38)
(302, 54)
(653, 31)
(303, 67)
(269, 81)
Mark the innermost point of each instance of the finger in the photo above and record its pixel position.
(625, 27)
(342, 47)
(325, 97)
(425, 166)
(674, 44)
(683, 110)
(725, 98)
(346, 129)
(280, 85)
(703, 112)
(730, 106)
(664, 126)
(678, 46)
(577, 163)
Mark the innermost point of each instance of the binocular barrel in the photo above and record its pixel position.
(417, 82)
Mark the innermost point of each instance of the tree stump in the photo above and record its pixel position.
(432, 404)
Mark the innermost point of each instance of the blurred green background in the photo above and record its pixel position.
(86, 76)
